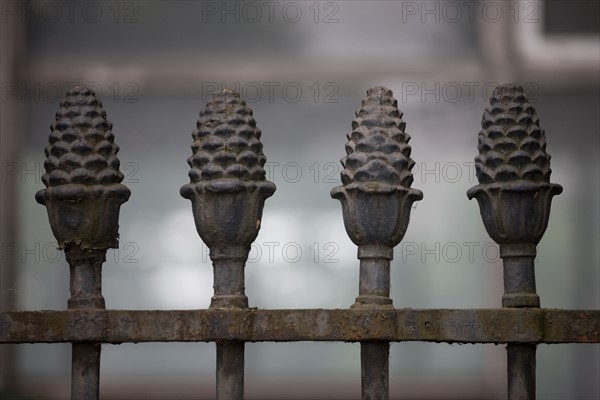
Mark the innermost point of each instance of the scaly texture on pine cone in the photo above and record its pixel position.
(512, 146)
(226, 143)
(81, 154)
(377, 148)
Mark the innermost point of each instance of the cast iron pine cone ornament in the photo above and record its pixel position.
(227, 180)
(513, 169)
(512, 146)
(227, 152)
(376, 175)
(377, 148)
(83, 183)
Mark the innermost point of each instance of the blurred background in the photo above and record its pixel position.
(303, 67)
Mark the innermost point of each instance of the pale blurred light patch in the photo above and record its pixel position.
(37, 294)
(182, 286)
(301, 261)
(183, 278)
(178, 240)
(349, 30)
(171, 266)
(142, 229)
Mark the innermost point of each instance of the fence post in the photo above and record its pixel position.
(83, 196)
(376, 202)
(514, 197)
(228, 189)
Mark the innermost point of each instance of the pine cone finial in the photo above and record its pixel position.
(83, 192)
(512, 146)
(377, 148)
(513, 170)
(375, 193)
(226, 146)
(81, 154)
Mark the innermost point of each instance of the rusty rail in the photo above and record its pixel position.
(228, 189)
(532, 326)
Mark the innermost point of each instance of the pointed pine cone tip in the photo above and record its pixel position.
(508, 89)
(379, 92)
(81, 154)
(512, 146)
(378, 154)
(227, 152)
(225, 95)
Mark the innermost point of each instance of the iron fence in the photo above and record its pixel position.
(228, 189)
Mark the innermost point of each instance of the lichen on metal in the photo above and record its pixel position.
(507, 325)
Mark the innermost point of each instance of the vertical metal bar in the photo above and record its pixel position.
(229, 277)
(514, 200)
(376, 210)
(374, 281)
(85, 371)
(519, 275)
(374, 291)
(374, 371)
(521, 371)
(229, 264)
(230, 370)
(374, 278)
(86, 293)
(83, 212)
(520, 291)
(228, 189)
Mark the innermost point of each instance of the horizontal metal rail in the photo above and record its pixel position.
(252, 325)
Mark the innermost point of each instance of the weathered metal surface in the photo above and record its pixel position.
(85, 277)
(376, 200)
(230, 370)
(85, 371)
(83, 197)
(375, 370)
(375, 193)
(374, 276)
(86, 294)
(84, 190)
(518, 261)
(514, 196)
(527, 325)
(514, 191)
(521, 371)
(228, 190)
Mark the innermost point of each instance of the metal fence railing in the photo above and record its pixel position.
(228, 189)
